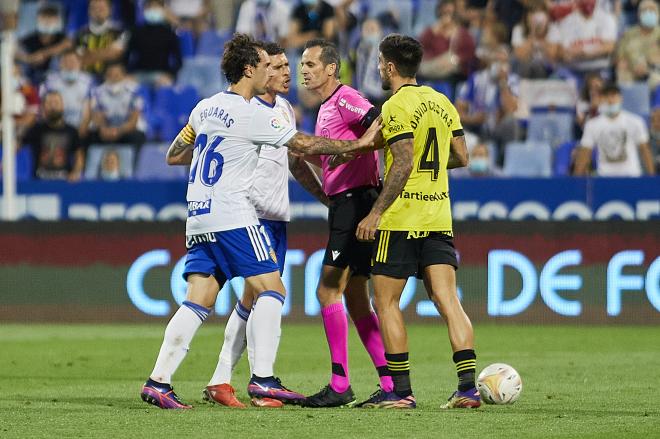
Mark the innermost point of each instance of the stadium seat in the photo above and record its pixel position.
(204, 74)
(95, 155)
(212, 43)
(528, 159)
(403, 10)
(151, 164)
(656, 98)
(563, 159)
(636, 98)
(186, 43)
(554, 128)
(24, 164)
(172, 107)
(425, 15)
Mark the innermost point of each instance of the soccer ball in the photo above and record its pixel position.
(499, 383)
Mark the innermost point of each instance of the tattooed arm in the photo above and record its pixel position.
(180, 152)
(397, 177)
(307, 178)
(320, 145)
(458, 153)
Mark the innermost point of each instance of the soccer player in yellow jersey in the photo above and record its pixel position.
(411, 220)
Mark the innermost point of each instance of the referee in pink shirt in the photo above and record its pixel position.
(352, 187)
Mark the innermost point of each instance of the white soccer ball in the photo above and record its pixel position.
(499, 383)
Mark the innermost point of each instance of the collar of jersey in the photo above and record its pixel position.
(268, 104)
(333, 93)
(409, 85)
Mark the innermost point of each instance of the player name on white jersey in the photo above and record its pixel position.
(229, 132)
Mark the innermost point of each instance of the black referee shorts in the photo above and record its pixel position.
(346, 211)
(404, 254)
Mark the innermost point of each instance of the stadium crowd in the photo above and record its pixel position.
(543, 87)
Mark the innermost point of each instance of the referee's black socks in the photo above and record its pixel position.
(466, 366)
(399, 368)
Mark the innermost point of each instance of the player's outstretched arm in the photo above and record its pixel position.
(307, 178)
(180, 152)
(320, 145)
(397, 177)
(458, 153)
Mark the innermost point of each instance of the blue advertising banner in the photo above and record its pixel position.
(481, 199)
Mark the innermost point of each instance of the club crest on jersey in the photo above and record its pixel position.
(199, 207)
(276, 124)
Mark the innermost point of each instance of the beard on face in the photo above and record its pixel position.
(54, 116)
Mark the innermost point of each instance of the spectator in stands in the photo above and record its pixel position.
(493, 35)
(311, 19)
(533, 52)
(367, 76)
(265, 20)
(153, 51)
(110, 169)
(481, 165)
(488, 100)
(621, 138)
(638, 55)
(590, 99)
(102, 41)
(75, 87)
(184, 12)
(586, 38)
(25, 103)
(449, 50)
(57, 151)
(49, 41)
(116, 109)
(655, 137)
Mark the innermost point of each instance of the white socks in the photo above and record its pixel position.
(263, 332)
(178, 334)
(233, 346)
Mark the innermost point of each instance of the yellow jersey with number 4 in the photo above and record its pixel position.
(430, 119)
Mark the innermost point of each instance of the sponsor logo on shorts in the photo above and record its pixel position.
(335, 254)
(421, 196)
(191, 240)
(417, 234)
(199, 207)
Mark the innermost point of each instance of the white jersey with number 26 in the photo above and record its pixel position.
(229, 132)
(270, 191)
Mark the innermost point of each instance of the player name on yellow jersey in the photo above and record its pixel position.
(430, 119)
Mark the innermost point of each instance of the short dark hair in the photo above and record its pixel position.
(49, 10)
(240, 51)
(610, 89)
(272, 49)
(404, 52)
(115, 63)
(329, 53)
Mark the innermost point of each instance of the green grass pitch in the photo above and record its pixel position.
(84, 381)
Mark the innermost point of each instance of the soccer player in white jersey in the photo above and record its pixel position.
(222, 141)
(270, 196)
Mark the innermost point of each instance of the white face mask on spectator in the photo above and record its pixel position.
(478, 165)
(70, 75)
(648, 18)
(610, 110)
(47, 28)
(154, 15)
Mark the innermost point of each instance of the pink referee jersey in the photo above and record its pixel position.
(340, 118)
